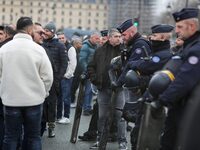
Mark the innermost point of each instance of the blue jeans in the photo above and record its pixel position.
(87, 105)
(27, 117)
(65, 98)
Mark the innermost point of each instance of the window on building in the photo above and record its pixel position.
(39, 4)
(4, 2)
(70, 13)
(62, 20)
(11, 17)
(80, 6)
(54, 19)
(89, 21)
(3, 10)
(54, 12)
(97, 14)
(39, 19)
(96, 21)
(79, 21)
(70, 6)
(63, 13)
(3, 17)
(47, 4)
(89, 14)
(89, 6)
(31, 11)
(70, 20)
(63, 5)
(21, 3)
(97, 7)
(31, 3)
(79, 13)
(11, 2)
(46, 19)
(104, 14)
(11, 10)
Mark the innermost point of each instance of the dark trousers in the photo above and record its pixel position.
(75, 84)
(49, 110)
(94, 119)
(27, 117)
(169, 136)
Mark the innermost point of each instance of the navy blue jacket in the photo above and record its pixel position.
(188, 75)
(159, 57)
(136, 48)
(59, 55)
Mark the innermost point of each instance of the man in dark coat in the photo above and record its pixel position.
(58, 53)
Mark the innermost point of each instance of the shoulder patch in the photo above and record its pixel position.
(138, 50)
(155, 59)
(193, 60)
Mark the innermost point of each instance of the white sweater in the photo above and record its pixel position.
(26, 74)
(71, 63)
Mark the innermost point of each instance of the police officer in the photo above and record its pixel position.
(137, 46)
(160, 55)
(160, 51)
(175, 97)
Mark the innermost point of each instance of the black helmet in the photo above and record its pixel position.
(132, 79)
(159, 82)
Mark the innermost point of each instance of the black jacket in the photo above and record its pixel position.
(100, 64)
(59, 55)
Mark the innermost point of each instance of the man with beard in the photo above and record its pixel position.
(98, 73)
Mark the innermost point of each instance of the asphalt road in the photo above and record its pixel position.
(63, 133)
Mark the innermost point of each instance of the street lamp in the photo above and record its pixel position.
(169, 8)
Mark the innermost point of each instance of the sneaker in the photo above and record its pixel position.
(64, 120)
(123, 146)
(88, 136)
(96, 145)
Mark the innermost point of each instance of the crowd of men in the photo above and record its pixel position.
(40, 71)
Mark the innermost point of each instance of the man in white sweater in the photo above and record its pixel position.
(66, 82)
(25, 79)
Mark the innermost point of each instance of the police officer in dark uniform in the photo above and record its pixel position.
(175, 97)
(146, 67)
(137, 46)
(160, 51)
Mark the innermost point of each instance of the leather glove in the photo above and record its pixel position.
(114, 85)
(83, 76)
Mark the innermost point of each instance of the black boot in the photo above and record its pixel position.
(88, 136)
(51, 133)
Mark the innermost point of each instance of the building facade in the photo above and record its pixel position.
(143, 10)
(85, 14)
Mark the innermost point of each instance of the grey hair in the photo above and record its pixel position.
(111, 31)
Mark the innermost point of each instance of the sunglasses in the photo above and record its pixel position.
(40, 33)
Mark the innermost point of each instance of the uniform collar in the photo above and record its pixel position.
(192, 38)
(135, 37)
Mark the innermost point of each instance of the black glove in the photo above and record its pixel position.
(114, 85)
(83, 76)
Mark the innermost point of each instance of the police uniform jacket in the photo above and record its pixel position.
(138, 48)
(160, 55)
(187, 77)
(100, 64)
